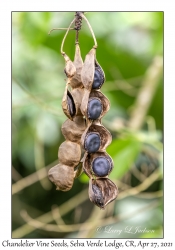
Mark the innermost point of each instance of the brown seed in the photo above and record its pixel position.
(62, 176)
(69, 153)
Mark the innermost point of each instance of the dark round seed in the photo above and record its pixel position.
(71, 105)
(92, 142)
(98, 79)
(101, 166)
(99, 201)
(94, 108)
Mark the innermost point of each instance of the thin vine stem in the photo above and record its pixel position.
(92, 32)
(60, 29)
(62, 44)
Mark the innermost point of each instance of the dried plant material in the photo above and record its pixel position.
(104, 100)
(69, 153)
(62, 176)
(103, 168)
(69, 69)
(77, 95)
(84, 103)
(87, 73)
(73, 130)
(68, 104)
(104, 135)
(95, 195)
(78, 170)
(76, 82)
(102, 192)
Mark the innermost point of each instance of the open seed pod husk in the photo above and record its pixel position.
(68, 104)
(99, 164)
(70, 68)
(62, 176)
(69, 153)
(84, 102)
(75, 81)
(77, 95)
(87, 73)
(99, 76)
(102, 192)
(104, 100)
(73, 130)
(102, 133)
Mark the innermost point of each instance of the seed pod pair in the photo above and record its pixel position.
(97, 163)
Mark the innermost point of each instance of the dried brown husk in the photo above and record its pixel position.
(62, 176)
(75, 81)
(69, 153)
(87, 164)
(104, 100)
(73, 130)
(105, 135)
(84, 102)
(65, 104)
(107, 191)
(77, 95)
(78, 170)
(87, 73)
(70, 68)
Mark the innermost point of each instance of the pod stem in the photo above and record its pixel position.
(59, 29)
(64, 38)
(92, 32)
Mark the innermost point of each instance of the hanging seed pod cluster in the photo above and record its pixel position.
(86, 139)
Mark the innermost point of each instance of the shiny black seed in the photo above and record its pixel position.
(101, 166)
(92, 142)
(98, 79)
(94, 108)
(98, 196)
(71, 104)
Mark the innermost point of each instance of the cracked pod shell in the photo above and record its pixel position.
(69, 153)
(96, 94)
(69, 69)
(104, 134)
(102, 192)
(62, 176)
(68, 104)
(88, 165)
(75, 81)
(73, 130)
(88, 69)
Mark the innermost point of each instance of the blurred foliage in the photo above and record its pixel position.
(128, 43)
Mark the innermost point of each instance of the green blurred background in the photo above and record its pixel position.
(130, 51)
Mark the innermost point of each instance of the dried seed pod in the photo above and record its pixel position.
(69, 153)
(68, 104)
(75, 82)
(73, 130)
(69, 69)
(98, 164)
(95, 195)
(104, 134)
(77, 95)
(99, 76)
(62, 176)
(87, 73)
(94, 108)
(102, 191)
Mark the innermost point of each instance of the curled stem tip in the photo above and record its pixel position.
(59, 29)
(92, 32)
(62, 44)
